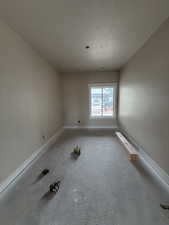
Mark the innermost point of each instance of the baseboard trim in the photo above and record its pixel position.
(90, 127)
(28, 162)
(148, 162)
(154, 167)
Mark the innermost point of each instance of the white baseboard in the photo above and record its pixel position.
(148, 162)
(91, 127)
(28, 162)
(155, 168)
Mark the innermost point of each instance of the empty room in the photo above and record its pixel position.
(84, 112)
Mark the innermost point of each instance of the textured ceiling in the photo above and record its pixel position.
(60, 29)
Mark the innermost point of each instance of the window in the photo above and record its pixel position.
(102, 101)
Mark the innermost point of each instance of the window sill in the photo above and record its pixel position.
(101, 117)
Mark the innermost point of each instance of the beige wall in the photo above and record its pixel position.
(76, 97)
(144, 97)
(29, 101)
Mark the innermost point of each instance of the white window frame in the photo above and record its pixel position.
(103, 85)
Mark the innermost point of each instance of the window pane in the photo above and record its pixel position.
(96, 101)
(108, 101)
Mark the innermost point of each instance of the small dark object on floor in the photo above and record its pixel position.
(76, 152)
(55, 187)
(45, 172)
(166, 207)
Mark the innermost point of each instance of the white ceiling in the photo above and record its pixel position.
(60, 29)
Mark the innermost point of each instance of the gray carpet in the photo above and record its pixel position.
(100, 188)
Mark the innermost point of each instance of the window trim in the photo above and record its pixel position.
(102, 85)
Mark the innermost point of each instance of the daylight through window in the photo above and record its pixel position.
(101, 101)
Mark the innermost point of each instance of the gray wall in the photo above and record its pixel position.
(29, 101)
(144, 97)
(76, 97)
